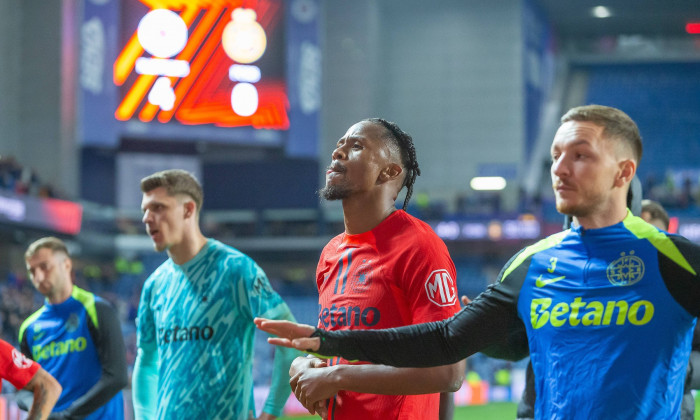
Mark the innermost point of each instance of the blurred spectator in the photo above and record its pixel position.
(654, 213)
(22, 180)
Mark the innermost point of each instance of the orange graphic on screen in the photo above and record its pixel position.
(194, 61)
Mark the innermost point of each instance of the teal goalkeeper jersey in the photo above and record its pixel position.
(196, 321)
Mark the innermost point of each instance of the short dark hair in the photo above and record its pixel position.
(49, 242)
(175, 181)
(656, 211)
(404, 142)
(616, 124)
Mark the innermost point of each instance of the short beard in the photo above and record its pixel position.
(333, 192)
(573, 210)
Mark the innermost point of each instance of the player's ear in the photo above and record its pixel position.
(391, 172)
(627, 169)
(190, 209)
(68, 264)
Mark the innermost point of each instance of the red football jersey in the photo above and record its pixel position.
(399, 273)
(15, 367)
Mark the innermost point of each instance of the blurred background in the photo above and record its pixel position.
(96, 94)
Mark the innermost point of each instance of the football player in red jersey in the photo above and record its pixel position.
(387, 269)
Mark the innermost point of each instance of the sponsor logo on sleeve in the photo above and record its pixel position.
(20, 360)
(441, 288)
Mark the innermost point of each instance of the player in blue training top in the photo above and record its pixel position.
(608, 306)
(75, 336)
(195, 322)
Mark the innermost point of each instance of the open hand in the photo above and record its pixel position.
(289, 334)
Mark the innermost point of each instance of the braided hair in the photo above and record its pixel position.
(408, 154)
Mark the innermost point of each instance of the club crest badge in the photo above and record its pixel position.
(73, 322)
(626, 270)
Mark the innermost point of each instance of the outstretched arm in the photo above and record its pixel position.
(486, 321)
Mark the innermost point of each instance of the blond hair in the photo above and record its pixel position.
(49, 242)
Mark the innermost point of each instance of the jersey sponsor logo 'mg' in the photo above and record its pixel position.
(58, 348)
(177, 334)
(586, 314)
(626, 270)
(20, 360)
(441, 288)
(347, 316)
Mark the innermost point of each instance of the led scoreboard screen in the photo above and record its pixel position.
(218, 63)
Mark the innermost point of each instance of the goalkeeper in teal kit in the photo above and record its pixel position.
(608, 307)
(195, 322)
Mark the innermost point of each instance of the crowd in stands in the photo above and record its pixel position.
(17, 301)
(678, 191)
(22, 180)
